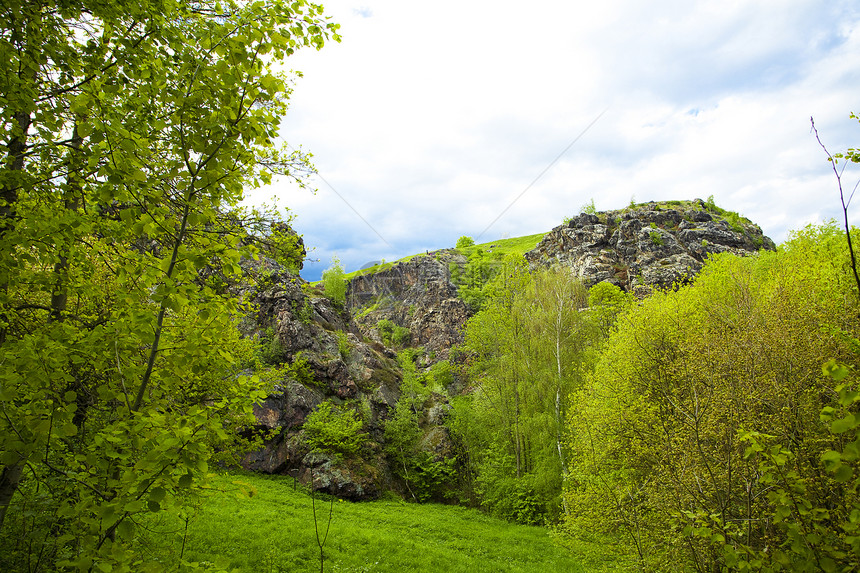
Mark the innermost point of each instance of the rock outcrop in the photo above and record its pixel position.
(297, 324)
(653, 245)
(418, 295)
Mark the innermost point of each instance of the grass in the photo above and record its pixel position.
(272, 530)
(516, 245)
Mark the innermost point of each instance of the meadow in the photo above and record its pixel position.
(252, 523)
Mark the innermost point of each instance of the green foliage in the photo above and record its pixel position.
(589, 208)
(392, 334)
(470, 278)
(424, 476)
(465, 241)
(735, 221)
(656, 238)
(300, 370)
(819, 522)
(528, 348)
(439, 376)
(656, 450)
(334, 430)
(334, 283)
(130, 130)
(606, 302)
(302, 309)
(270, 349)
(710, 205)
(342, 344)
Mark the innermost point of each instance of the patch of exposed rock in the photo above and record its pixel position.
(654, 245)
(418, 295)
(297, 323)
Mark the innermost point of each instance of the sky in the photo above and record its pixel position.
(496, 119)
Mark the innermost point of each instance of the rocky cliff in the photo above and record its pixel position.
(648, 245)
(314, 352)
(417, 295)
(318, 352)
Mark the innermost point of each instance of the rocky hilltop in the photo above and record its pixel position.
(317, 352)
(654, 244)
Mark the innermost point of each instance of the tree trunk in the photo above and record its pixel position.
(9, 480)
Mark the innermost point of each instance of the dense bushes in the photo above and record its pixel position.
(691, 380)
(526, 351)
(424, 476)
(392, 334)
(334, 430)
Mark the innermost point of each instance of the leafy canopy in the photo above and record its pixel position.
(130, 130)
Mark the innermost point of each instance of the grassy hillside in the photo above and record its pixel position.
(516, 245)
(261, 524)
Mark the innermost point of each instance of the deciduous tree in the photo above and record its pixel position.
(130, 130)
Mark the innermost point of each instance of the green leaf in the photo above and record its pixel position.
(186, 480)
(842, 425)
(843, 473)
(835, 370)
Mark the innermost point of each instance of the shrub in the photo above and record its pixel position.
(589, 208)
(342, 344)
(749, 334)
(334, 431)
(300, 370)
(656, 238)
(392, 334)
(271, 352)
(334, 283)
(464, 242)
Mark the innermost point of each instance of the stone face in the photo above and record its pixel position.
(417, 294)
(307, 325)
(645, 247)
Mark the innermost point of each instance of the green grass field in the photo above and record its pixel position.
(516, 245)
(270, 528)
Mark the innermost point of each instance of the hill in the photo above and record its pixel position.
(399, 321)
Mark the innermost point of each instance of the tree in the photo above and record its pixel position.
(335, 283)
(130, 132)
(465, 241)
(656, 443)
(528, 346)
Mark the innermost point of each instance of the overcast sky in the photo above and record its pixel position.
(431, 120)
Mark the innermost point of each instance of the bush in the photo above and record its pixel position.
(749, 335)
(300, 370)
(464, 242)
(334, 283)
(270, 350)
(392, 334)
(334, 431)
(342, 344)
(589, 208)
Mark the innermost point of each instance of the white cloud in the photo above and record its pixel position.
(431, 118)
